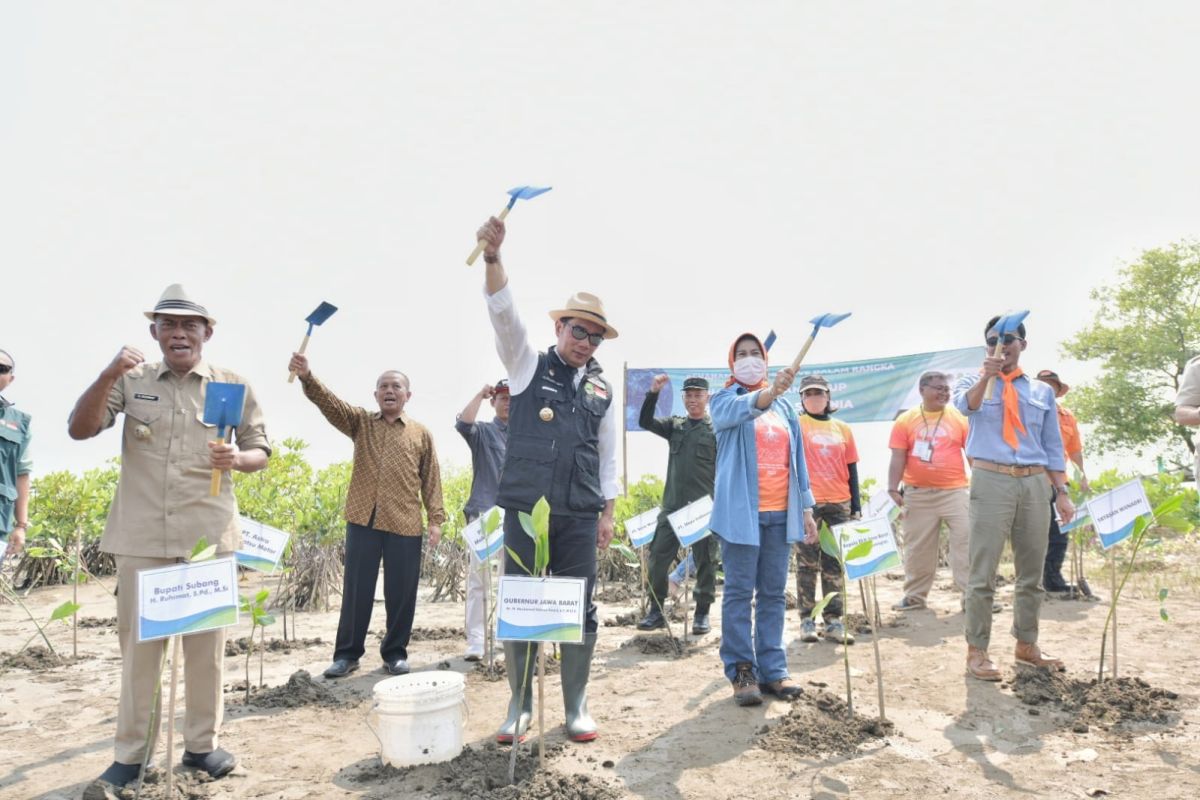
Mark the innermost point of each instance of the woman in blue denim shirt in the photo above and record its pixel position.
(761, 506)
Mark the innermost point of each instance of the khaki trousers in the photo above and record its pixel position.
(141, 670)
(924, 512)
(1015, 509)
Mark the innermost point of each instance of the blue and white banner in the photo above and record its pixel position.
(262, 546)
(642, 526)
(484, 546)
(863, 391)
(884, 554)
(690, 523)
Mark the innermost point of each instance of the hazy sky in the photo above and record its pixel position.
(717, 167)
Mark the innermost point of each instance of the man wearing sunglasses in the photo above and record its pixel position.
(15, 466)
(562, 439)
(1013, 443)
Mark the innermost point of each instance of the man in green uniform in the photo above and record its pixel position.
(691, 470)
(15, 466)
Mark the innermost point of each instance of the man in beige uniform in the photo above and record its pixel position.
(1187, 402)
(161, 510)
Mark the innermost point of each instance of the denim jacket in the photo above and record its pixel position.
(735, 500)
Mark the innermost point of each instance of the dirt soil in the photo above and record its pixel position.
(819, 724)
(668, 726)
(237, 647)
(36, 658)
(1124, 704)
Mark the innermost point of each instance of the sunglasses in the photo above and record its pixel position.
(5, 369)
(581, 333)
(1009, 338)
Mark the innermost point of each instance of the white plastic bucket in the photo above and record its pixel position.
(418, 718)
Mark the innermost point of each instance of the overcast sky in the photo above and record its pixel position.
(717, 167)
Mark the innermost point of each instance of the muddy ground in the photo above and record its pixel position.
(669, 728)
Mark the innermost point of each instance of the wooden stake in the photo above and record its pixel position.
(75, 595)
(1112, 564)
(482, 244)
(687, 553)
(541, 706)
(171, 716)
(875, 644)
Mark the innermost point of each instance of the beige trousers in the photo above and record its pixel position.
(1006, 508)
(924, 512)
(141, 670)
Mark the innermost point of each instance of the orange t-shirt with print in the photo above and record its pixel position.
(946, 433)
(773, 443)
(829, 450)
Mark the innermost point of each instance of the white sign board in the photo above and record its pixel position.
(540, 609)
(1113, 513)
(641, 527)
(884, 554)
(484, 547)
(690, 523)
(262, 546)
(881, 505)
(186, 598)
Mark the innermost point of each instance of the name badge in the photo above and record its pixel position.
(923, 450)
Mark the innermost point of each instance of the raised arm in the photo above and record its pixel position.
(97, 406)
(646, 419)
(512, 341)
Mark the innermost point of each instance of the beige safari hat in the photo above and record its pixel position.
(176, 302)
(587, 306)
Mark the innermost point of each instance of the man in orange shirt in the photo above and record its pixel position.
(927, 445)
(1052, 579)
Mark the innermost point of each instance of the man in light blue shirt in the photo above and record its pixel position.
(1013, 442)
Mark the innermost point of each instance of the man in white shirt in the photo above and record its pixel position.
(562, 446)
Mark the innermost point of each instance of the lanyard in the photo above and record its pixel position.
(931, 437)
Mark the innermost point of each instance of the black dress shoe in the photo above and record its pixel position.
(700, 624)
(119, 774)
(397, 667)
(652, 621)
(341, 668)
(217, 764)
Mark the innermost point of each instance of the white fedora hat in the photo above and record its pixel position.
(175, 302)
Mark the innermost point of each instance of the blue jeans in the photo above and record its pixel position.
(757, 573)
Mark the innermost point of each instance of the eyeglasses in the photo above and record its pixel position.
(5, 369)
(1009, 338)
(939, 389)
(581, 333)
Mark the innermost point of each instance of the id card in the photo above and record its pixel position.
(923, 450)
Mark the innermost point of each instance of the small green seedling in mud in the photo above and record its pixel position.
(537, 526)
(833, 546)
(259, 620)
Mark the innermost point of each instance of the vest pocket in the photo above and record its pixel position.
(528, 470)
(584, 493)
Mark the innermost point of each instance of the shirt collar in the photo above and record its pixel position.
(402, 419)
(4, 403)
(202, 370)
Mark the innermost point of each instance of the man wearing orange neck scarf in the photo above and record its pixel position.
(1013, 443)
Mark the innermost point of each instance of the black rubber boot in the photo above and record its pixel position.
(519, 658)
(576, 669)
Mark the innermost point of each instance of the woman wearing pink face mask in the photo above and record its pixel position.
(762, 504)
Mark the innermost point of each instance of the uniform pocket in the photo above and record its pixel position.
(200, 433)
(585, 494)
(146, 427)
(528, 469)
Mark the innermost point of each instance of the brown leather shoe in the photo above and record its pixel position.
(979, 666)
(745, 688)
(1030, 654)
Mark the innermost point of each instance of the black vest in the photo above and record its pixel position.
(559, 457)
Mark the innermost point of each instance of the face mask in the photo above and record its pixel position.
(749, 370)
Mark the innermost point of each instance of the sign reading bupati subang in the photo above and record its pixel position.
(863, 391)
(186, 598)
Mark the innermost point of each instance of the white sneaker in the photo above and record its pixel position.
(474, 654)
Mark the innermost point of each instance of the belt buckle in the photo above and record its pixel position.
(1012, 471)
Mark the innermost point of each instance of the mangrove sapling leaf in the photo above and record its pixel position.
(491, 522)
(829, 545)
(1162, 608)
(860, 550)
(65, 610)
(517, 558)
(819, 608)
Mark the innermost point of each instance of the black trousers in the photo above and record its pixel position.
(401, 557)
(1056, 553)
(572, 552)
(663, 551)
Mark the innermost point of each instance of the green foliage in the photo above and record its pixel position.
(62, 506)
(1162, 605)
(537, 526)
(1147, 326)
(256, 608)
(643, 495)
(203, 551)
(65, 610)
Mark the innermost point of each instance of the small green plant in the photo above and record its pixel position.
(68, 562)
(1162, 605)
(65, 610)
(1166, 513)
(490, 523)
(834, 545)
(537, 526)
(256, 607)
